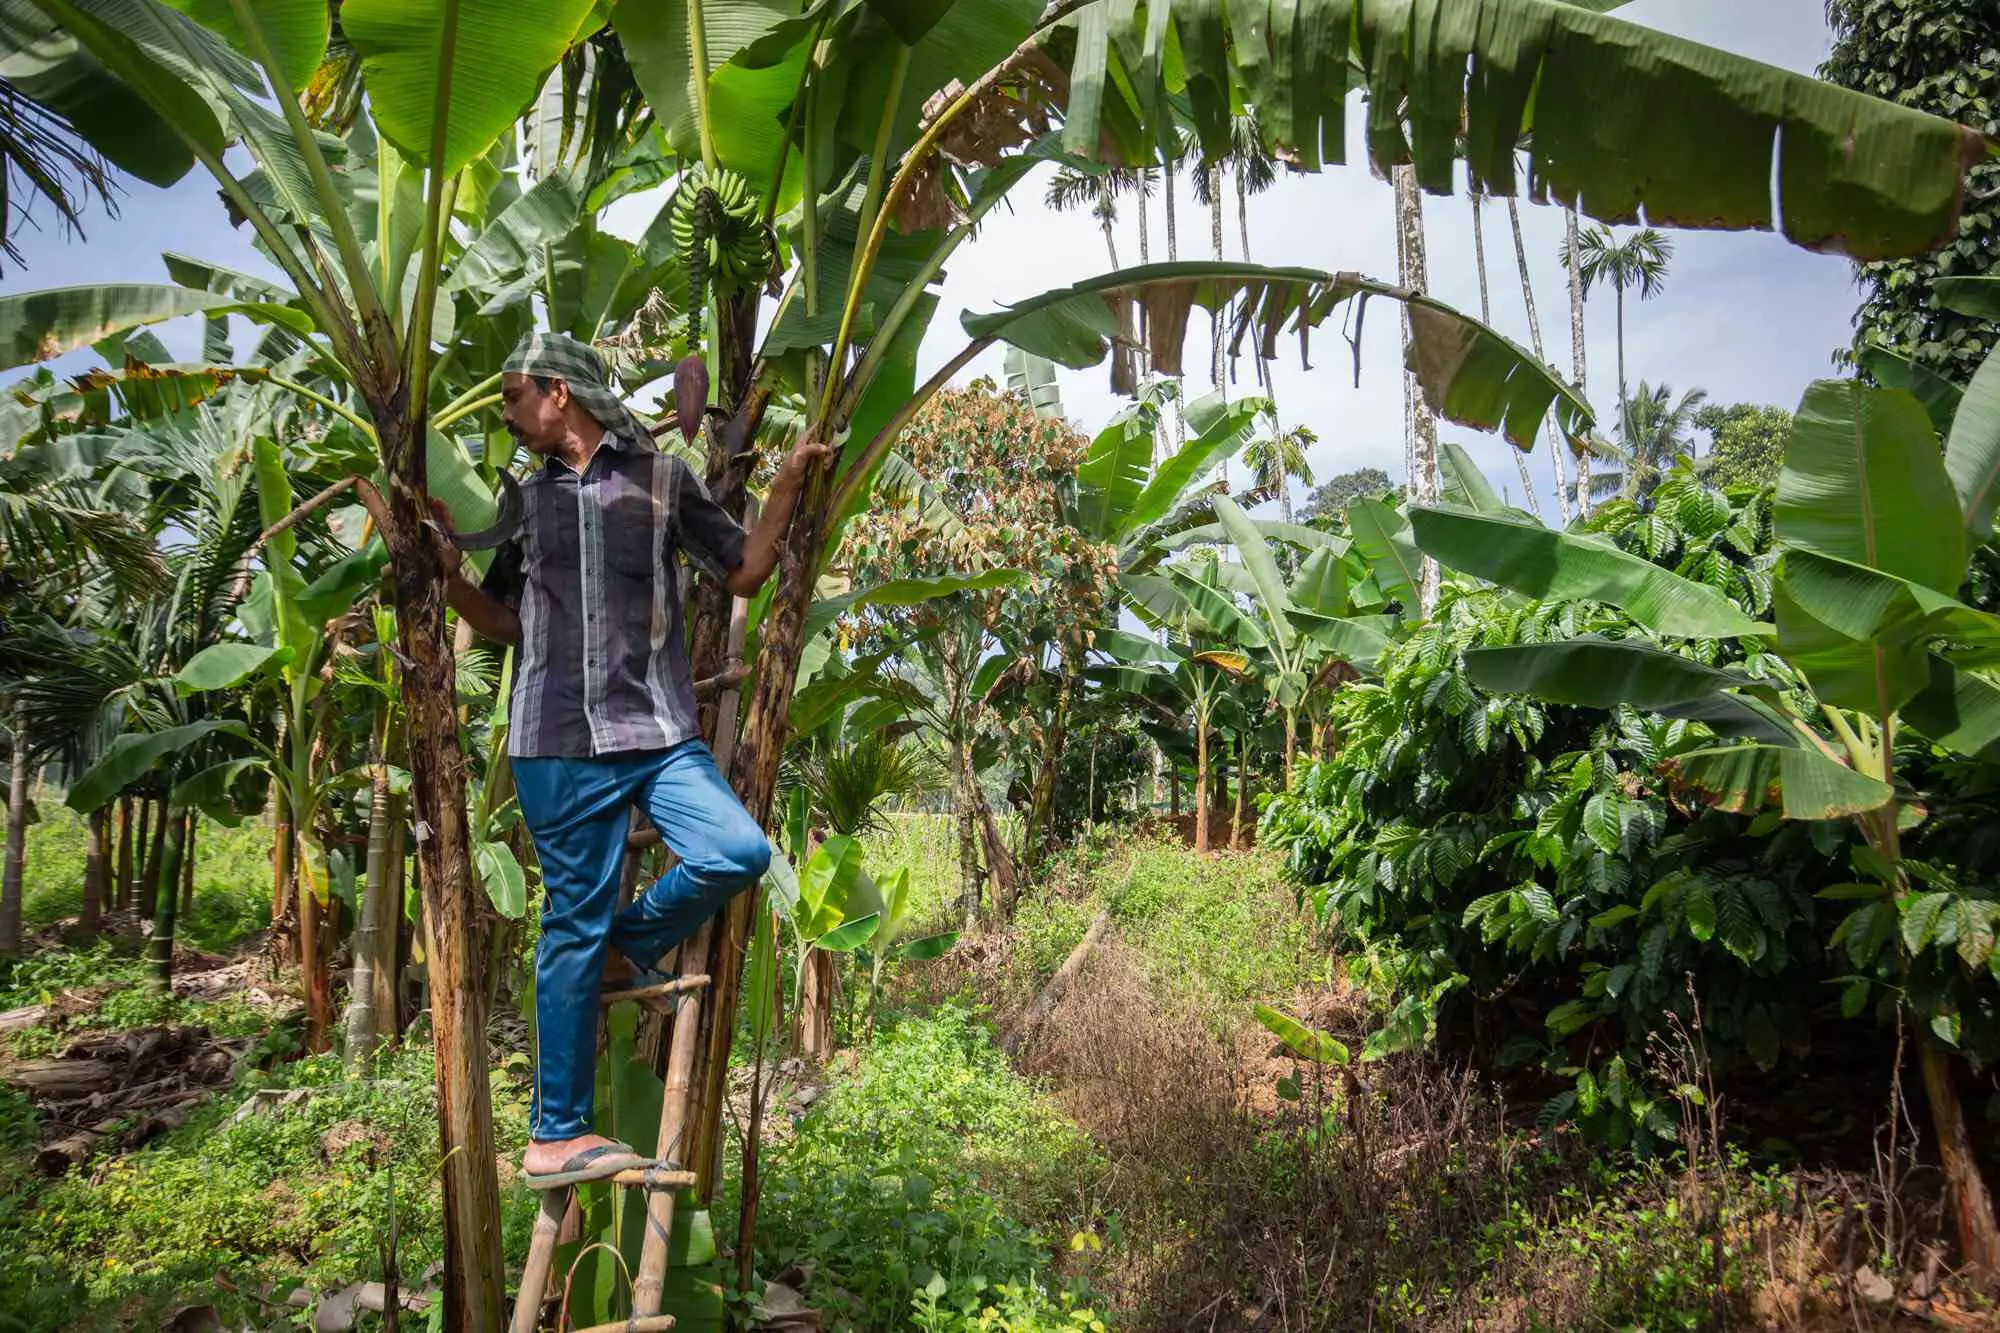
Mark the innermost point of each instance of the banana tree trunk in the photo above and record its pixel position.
(753, 772)
(815, 1029)
(1202, 801)
(374, 931)
(1236, 839)
(314, 976)
(17, 842)
(1291, 743)
(1000, 867)
(1971, 1204)
(96, 871)
(284, 910)
(968, 836)
(1041, 804)
(474, 1274)
(149, 875)
(160, 948)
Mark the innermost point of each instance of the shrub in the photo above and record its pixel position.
(303, 1192)
(1507, 847)
(930, 1191)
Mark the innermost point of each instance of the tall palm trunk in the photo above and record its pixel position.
(1243, 212)
(121, 893)
(1486, 317)
(160, 948)
(1215, 245)
(1145, 229)
(96, 871)
(149, 877)
(1423, 425)
(1624, 397)
(17, 841)
(1557, 445)
(187, 866)
(1104, 217)
(1574, 242)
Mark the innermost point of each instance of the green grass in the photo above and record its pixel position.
(1223, 929)
(934, 1188)
(232, 898)
(928, 845)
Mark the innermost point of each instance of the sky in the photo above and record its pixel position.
(1744, 316)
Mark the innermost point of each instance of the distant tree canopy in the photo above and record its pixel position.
(1330, 498)
(1941, 56)
(1746, 443)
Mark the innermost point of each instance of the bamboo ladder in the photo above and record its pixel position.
(665, 1177)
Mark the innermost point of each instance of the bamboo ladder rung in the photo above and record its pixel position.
(640, 838)
(652, 1323)
(678, 986)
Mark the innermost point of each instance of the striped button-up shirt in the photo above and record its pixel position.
(595, 575)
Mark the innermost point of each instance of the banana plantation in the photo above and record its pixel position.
(640, 691)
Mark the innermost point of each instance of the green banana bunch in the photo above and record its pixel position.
(714, 218)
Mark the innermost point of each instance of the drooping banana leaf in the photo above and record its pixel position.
(1958, 709)
(35, 326)
(1617, 117)
(1806, 782)
(1541, 562)
(1972, 450)
(1469, 372)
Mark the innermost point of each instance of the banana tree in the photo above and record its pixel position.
(1186, 678)
(440, 96)
(1280, 623)
(1875, 523)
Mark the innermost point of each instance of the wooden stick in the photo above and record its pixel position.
(1052, 994)
(653, 992)
(541, 1255)
(670, 1149)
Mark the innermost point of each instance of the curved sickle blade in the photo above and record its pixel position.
(506, 520)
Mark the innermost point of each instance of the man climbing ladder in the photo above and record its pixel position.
(603, 713)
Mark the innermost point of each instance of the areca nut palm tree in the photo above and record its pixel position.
(1639, 262)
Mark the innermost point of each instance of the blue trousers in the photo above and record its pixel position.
(576, 810)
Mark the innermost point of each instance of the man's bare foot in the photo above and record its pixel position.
(547, 1158)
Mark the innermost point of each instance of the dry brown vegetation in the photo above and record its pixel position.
(1412, 1193)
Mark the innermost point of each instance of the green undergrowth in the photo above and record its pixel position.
(129, 1000)
(932, 1188)
(305, 1193)
(1219, 929)
(232, 898)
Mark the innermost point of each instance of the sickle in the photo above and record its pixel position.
(506, 520)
